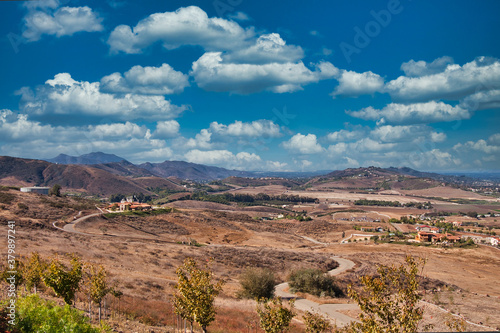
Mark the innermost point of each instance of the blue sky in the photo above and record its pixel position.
(254, 85)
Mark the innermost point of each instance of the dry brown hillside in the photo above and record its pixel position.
(74, 178)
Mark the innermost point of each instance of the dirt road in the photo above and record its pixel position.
(328, 310)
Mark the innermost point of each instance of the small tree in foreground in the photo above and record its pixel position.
(196, 293)
(389, 301)
(98, 285)
(64, 281)
(33, 271)
(274, 317)
(257, 283)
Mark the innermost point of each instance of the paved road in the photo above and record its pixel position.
(70, 227)
(312, 240)
(328, 310)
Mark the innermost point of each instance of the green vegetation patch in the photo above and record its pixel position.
(385, 203)
(154, 212)
(314, 281)
(251, 200)
(34, 315)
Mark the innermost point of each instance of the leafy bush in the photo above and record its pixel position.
(34, 315)
(316, 323)
(274, 317)
(257, 283)
(314, 281)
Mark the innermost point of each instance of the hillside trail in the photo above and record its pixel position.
(328, 310)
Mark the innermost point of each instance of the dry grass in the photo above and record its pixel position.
(143, 254)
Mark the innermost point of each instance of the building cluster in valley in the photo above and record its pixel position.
(125, 206)
(426, 233)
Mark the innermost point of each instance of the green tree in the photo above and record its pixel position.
(98, 285)
(316, 323)
(274, 317)
(55, 190)
(257, 283)
(33, 271)
(389, 301)
(196, 293)
(64, 281)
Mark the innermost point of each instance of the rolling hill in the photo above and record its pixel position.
(126, 178)
(374, 178)
(88, 159)
(74, 178)
(192, 171)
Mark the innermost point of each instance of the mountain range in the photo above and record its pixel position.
(87, 159)
(105, 174)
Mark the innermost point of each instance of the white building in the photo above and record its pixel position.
(36, 189)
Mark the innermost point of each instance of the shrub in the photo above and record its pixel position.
(316, 323)
(274, 317)
(257, 283)
(314, 281)
(37, 315)
(55, 190)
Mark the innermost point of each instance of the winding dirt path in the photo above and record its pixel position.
(328, 310)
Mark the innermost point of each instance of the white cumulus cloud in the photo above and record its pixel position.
(166, 129)
(257, 128)
(211, 73)
(17, 127)
(118, 130)
(186, 26)
(163, 80)
(417, 113)
(489, 99)
(355, 84)
(65, 96)
(66, 21)
(303, 144)
(223, 157)
(346, 135)
(201, 140)
(268, 48)
(454, 82)
(414, 68)
(390, 133)
(480, 145)
(23, 137)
